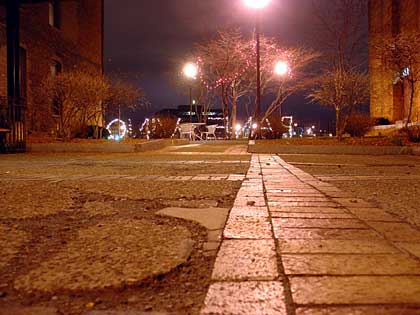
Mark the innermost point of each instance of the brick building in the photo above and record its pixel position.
(390, 97)
(55, 36)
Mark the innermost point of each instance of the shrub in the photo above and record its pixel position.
(162, 126)
(414, 134)
(358, 124)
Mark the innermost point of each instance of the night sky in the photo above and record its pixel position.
(145, 38)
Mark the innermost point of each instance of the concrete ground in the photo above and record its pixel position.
(113, 234)
(85, 233)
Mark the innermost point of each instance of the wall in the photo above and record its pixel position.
(76, 44)
(388, 18)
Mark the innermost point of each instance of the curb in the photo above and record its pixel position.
(337, 149)
(111, 147)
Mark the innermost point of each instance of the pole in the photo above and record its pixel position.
(119, 122)
(191, 105)
(257, 112)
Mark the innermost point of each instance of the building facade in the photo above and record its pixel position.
(55, 36)
(390, 96)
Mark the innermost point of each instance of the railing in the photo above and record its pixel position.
(12, 125)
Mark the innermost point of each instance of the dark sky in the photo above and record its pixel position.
(143, 38)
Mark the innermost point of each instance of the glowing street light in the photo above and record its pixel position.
(257, 4)
(281, 68)
(190, 71)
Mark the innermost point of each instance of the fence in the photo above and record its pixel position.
(12, 125)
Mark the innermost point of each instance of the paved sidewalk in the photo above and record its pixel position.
(298, 246)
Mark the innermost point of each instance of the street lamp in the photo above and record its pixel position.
(258, 5)
(281, 68)
(190, 71)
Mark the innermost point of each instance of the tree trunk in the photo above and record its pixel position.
(337, 124)
(410, 108)
(234, 112)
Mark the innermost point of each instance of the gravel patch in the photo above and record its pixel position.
(11, 240)
(110, 255)
(22, 200)
(171, 193)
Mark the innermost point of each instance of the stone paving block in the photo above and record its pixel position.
(297, 199)
(303, 204)
(318, 223)
(246, 260)
(250, 193)
(285, 186)
(249, 212)
(248, 228)
(325, 234)
(293, 191)
(333, 264)
(292, 195)
(359, 310)
(335, 246)
(309, 215)
(245, 298)
(399, 232)
(307, 209)
(356, 290)
(373, 214)
(250, 201)
(413, 248)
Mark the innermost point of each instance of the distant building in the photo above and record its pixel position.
(55, 36)
(214, 116)
(389, 97)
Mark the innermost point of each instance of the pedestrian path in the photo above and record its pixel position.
(298, 246)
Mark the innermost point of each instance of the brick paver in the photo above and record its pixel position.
(294, 245)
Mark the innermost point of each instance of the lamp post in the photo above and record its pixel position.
(190, 72)
(258, 5)
(281, 69)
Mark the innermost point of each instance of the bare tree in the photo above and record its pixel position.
(297, 78)
(223, 66)
(341, 34)
(83, 98)
(402, 54)
(343, 90)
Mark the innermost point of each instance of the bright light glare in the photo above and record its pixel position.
(254, 126)
(190, 70)
(238, 127)
(257, 4)
(281, 68)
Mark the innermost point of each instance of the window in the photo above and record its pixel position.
(55, 69)
(54, 13)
